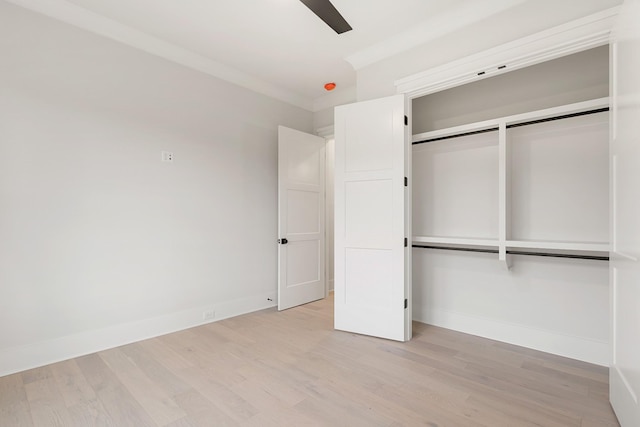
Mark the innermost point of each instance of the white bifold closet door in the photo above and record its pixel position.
(372, 295)
(301, 193)
(625, 217)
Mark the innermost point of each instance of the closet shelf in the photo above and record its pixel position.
(555, 245)
(515, 244)
(456, 241)
(513, 120)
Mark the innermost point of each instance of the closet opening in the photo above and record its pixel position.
(510, 207)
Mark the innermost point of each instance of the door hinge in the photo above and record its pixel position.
(406, 181)
(406, 121)
(406, 242)
(283, 241)
(406, 303)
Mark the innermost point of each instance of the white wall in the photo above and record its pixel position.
(323, 118)
(554, 305)
(100, 242)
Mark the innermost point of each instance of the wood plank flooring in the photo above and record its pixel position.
(292, 369)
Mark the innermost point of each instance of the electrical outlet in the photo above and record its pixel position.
(209, 315)
(167, 156)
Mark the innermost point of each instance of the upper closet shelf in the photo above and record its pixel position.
(456, 241)
(567, 246)
(569, 110)
(514, 244)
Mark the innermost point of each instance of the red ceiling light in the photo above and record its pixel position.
(329, 86)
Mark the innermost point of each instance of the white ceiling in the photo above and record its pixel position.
(277, 47)
(281, 41)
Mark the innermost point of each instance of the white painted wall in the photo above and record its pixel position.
(455, 187)
(323, 118)
(101, 243)
(549, 304)
(555, 305)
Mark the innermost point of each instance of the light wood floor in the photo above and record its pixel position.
(292, 369)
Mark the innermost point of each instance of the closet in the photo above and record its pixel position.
(510, 202)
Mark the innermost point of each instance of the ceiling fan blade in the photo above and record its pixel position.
(329, 14)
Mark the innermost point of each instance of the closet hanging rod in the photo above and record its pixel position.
(495, 251)
(440, 138)
(563, 116)
(453, 248)
(514, 125)
(547, 254)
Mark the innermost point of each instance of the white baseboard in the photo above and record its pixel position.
(574, 347)
(17, 359)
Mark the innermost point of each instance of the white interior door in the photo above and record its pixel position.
(301, 193)
(625, 215)
(371, 257)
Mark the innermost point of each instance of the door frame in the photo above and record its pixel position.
(327, 133)
(623, 389)
(576, 36)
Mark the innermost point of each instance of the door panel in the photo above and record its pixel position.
(368, 277)
(301, 194)
(303, 211)
(370, 224)
(625, 214)
(302, 263)
(367, 208)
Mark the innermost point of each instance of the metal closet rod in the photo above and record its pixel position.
(564, 116)
(495, 251)
(515, 125)
(440, 138)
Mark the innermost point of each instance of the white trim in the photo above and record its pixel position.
(42, 353)
(574, 347)
(572, 37)
(77, 16)
(504, 194)
(325, 132)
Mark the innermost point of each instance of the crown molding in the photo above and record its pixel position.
(77, 16)
(572, 37)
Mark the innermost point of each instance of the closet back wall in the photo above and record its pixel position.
(574, 78)
(556, 305)
(100, 242)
